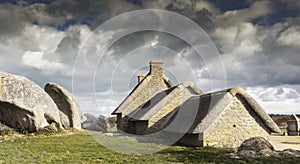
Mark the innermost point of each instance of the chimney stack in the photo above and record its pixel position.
(156, 67)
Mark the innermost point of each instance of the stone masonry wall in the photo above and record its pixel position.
(233, 126)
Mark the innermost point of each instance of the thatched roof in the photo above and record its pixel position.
(144, 90)
(158, 102)
(294, 117)
(206, 108)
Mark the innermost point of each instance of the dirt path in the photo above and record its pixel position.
(285, 142)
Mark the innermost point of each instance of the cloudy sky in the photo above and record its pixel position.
(257, 42)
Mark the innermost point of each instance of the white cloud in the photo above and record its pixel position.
(280, 99)
(290, 37)
(39, 38)
(240, 40)
(44, 48)
(239, 44)
(103, 103)
(37, 60)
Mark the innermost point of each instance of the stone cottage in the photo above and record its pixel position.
(153, 115)
(293, 127)
(222, 119)
(148, 85)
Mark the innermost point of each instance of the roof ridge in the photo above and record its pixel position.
(175, 90)
(296, 117)
(191, 85)
(167, 80)
(125, 103)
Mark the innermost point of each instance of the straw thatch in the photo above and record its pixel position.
(158, 102)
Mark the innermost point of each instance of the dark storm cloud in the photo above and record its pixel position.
(90, 12)
(95, 12)
(258, 40)
(209, 15)
(203, 16)
(14, 17)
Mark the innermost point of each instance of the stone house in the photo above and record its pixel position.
(222, 119)
(293, 127)
(148, 86)
(153, 115)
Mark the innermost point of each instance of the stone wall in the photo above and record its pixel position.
(141, 127)
(292, 128)
(191, 140)
(234, 125)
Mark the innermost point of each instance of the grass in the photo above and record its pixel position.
(80, 147)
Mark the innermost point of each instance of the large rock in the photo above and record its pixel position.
(289, 153)
(256, 144)
(260, 147)
(90, 122)
(24, 105)
(69, 109)
(256, 147)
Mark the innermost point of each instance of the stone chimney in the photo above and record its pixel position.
(156, 67)
(140, 78)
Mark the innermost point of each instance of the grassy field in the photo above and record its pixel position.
(80, 147)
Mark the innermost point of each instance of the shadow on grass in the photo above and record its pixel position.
(293, 143)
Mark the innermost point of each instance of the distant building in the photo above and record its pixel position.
(281, 121)
(222, 119)
(293, 127)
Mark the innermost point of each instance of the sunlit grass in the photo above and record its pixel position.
(80, 147)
